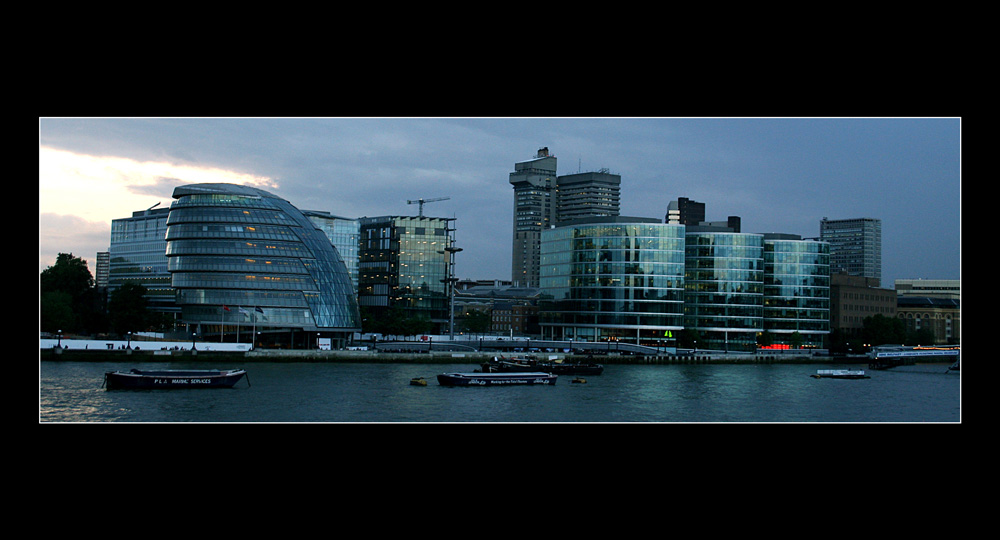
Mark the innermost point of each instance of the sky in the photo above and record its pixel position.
(778, 174)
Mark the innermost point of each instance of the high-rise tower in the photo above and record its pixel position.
(855, 246)
(534, 184)
(543, 200)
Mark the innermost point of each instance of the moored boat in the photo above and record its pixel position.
(840, 374)
(173, 378)
(496, 379)
(558, 367)
(572, 368)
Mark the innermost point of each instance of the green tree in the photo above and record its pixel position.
(56, 312)
(128, 309)
(70, 276)
(882, 330)
(477, 322)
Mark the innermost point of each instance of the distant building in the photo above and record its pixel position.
(942, 316)
(930, 288)
(512, 309)
(684, 211)
(543, 200)
(588, 194)
(137, 254)
(534, 183)
(691, 214)
(101, 269)
(854, 298)
(855, 246)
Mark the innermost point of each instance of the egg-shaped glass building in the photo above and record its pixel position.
(247, 265)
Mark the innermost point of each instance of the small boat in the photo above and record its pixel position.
(509, 365)
(840, 374)
(173, 378)
(496, 379)
(579, 380)
(572, 368)
(558, 367)
(418, 381)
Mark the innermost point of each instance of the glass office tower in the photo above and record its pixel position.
(403, 263)
(796, 290)
(612, 279)
(343, 234)
(242, 258)
(724, 283)
(136, 255)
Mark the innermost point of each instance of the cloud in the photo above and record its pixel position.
(71, 234)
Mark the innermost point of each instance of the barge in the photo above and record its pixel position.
(173, 378)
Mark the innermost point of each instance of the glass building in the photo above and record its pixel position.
(343, 234)
(242, 258)
(136, 255)
(612, 279)
(403, 262)
(724, 289)
(796, 290)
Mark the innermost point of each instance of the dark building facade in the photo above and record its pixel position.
(404, 262)
(241, 258)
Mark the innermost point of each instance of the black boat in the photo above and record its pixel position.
(173, 378)
(496, 379)
(572, 368)
(521, 365)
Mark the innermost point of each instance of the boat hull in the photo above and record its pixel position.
(574, 369)
(142, 379)
(839, 374)
(496, 379)
(557, 368)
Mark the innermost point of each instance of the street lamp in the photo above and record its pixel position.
(450, 281)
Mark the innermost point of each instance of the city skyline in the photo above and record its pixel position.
(778, 174)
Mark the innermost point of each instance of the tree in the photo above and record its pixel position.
(477, 322)
(128, 309)
(882, 330)
(70, 277)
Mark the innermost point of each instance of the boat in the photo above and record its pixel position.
(496, 379)
(173, 378)
(572, 368)
(557, 367)
(418, 381)
(840, 374)
(509, 365)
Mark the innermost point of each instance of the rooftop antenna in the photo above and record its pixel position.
(422, 201)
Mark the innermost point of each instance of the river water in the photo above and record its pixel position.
(348, 393)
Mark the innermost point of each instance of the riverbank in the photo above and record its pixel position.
(434, 357)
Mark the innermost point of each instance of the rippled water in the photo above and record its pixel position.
(331, 392)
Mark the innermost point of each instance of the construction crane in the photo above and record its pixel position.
(422, 201)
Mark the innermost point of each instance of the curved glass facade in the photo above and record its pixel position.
(724, 289)
(244, 249)
(797, 290)
(612, 279)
